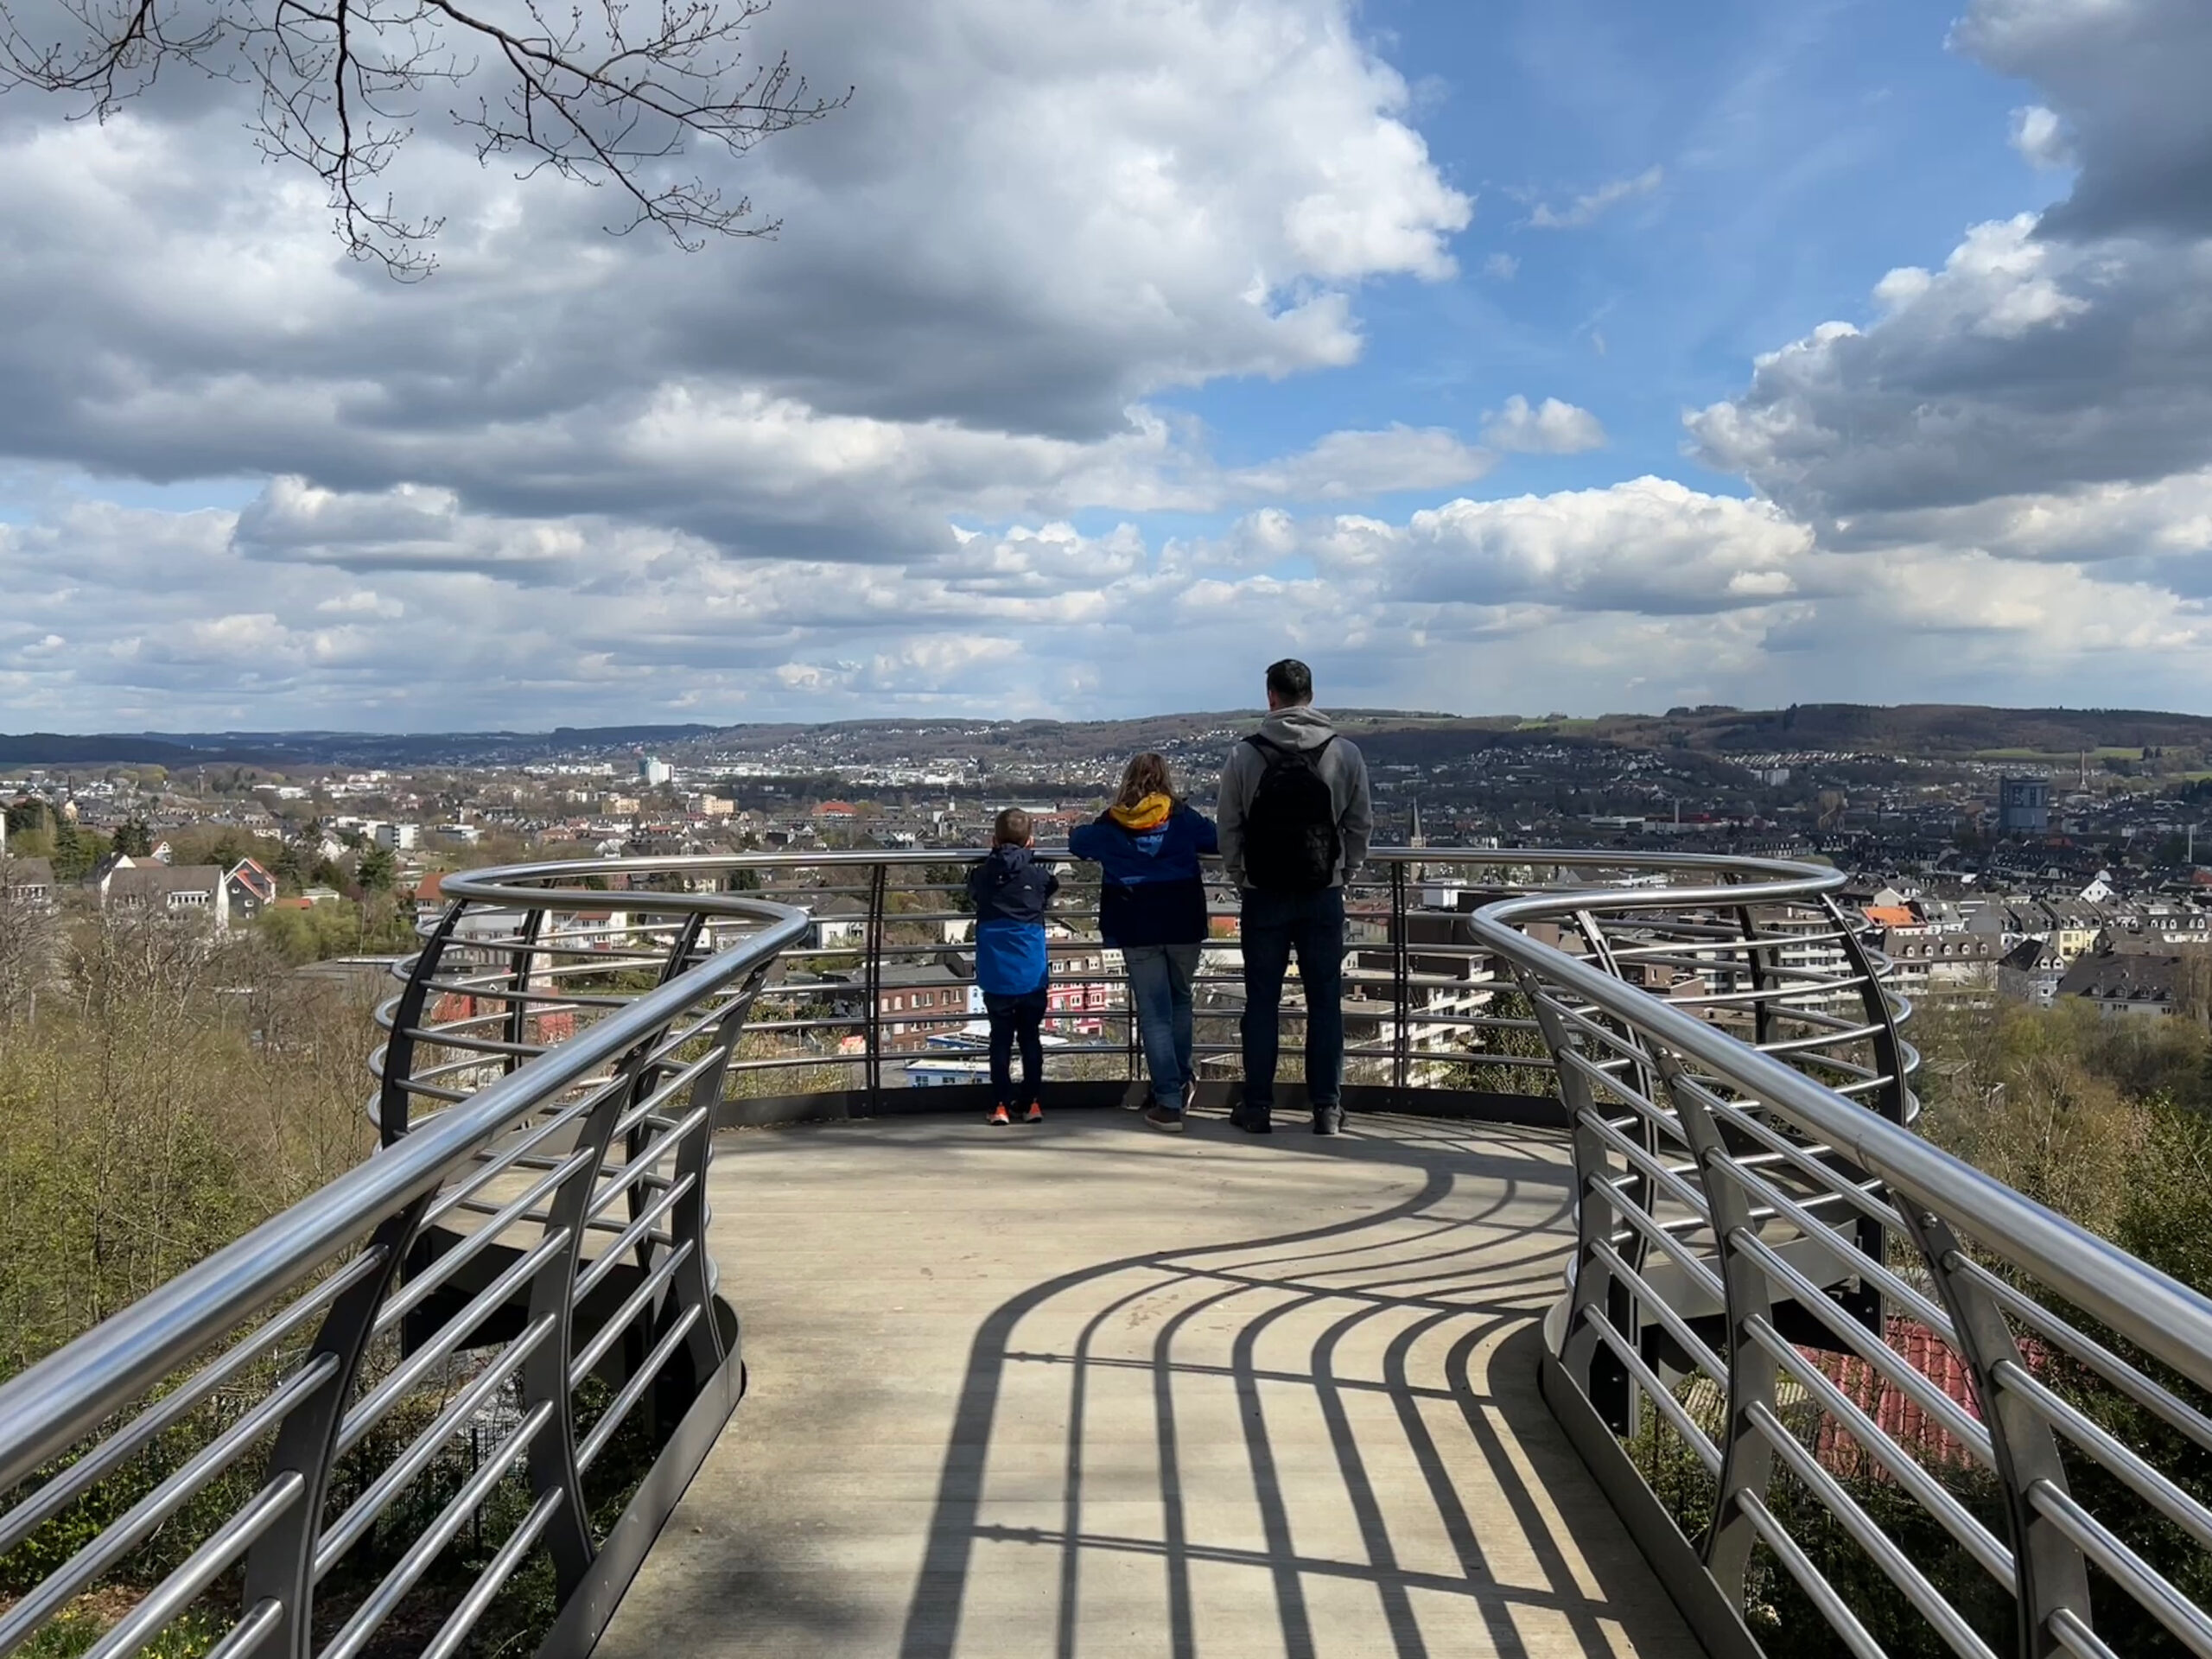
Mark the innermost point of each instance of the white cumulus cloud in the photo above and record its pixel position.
(1551, 427)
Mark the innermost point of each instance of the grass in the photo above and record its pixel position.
(2068, 758)
(84, 1621)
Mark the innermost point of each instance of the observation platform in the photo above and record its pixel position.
(1084, 1389)
(1632, 1316)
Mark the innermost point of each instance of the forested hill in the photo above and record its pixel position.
(1922, 729)
(1918, 729)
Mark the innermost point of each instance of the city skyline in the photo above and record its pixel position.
(1580, 358)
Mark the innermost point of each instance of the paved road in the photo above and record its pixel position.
(1089, 1390)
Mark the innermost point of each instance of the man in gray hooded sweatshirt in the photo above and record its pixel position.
(1295, 820)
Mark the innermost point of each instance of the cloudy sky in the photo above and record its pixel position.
(1527, 355)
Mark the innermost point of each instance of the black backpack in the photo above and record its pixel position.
(1290, 844)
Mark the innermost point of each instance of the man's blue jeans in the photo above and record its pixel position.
(1160, 987)
(1311, 925)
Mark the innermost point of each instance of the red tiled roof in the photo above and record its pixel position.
(1893, 1410)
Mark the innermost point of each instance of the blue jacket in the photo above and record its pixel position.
(1154, 893)
(1010, 890)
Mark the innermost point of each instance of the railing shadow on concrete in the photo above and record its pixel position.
(1810, 1359)
(1398, 1348)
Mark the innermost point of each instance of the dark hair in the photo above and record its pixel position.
(1290, 681)
(1011, 829)
(1147, 774)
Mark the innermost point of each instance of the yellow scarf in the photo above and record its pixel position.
(1148, 814)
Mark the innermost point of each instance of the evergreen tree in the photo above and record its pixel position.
(377, 869)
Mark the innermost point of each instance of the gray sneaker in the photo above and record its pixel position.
(1167, 1122)
(1328, 1120)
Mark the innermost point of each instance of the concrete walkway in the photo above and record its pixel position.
(1086, 1389)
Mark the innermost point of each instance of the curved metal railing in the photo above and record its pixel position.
(356, 1425)
(1799, 1343)
(1816, 1359)
(879, 1000)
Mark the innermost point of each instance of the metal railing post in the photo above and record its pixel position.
(394, 1109)
(1592, 1293)
(879, 881)
(524, 954)
(279, 1566)
(2049, 1575)
(1893, 1102)
(1746, 1455)
(693, 1286)
(546, 1381)
(1401, 988)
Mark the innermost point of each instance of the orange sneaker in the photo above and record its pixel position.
(999, 1117)
(1036, 1113)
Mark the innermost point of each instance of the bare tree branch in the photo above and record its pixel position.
(592, 94)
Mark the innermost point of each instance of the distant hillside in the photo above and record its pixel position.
(1396, 736)
(1923, 729)
(276, 750)
(57, 749)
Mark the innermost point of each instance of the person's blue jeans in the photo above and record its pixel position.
(1276, 926)
(1016, 1019)
(1160, 988)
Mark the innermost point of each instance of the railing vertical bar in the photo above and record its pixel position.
(1400, 986)
(520, 963)
(879, 882)
(280, 1564)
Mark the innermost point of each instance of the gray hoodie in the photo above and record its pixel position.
(1300, 726)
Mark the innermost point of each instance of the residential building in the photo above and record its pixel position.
(1924, 964)
(26, 881)
(839, 922)
(2030, 972)
(188, 891)
(916, 1002)
(251, 889)
(2127, 984)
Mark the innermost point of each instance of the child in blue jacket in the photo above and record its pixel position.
(1151, 907)
(1010, 890)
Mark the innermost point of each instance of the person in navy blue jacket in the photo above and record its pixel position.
(1152, 909)
(1010, 890)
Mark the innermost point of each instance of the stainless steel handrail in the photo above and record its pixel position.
(1389, 994)
(353, 1325)
(1960, 1261)
(46, 1408)
(2160, 1314)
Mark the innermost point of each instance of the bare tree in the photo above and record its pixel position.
(599, 92)
(29, 945)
